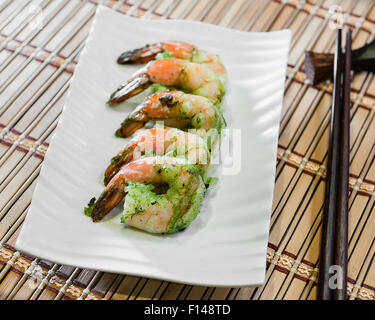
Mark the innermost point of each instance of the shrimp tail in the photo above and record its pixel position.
(134, 86)
(109, 199)
(140, 55)
(131, 125)
(116, 163)
(128, 127)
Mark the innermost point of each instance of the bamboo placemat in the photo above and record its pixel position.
(36, 64)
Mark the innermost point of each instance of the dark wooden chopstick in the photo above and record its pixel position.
(341, 239)
(329, 213)
(333, 258)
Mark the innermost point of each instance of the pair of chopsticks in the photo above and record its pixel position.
(333, 260)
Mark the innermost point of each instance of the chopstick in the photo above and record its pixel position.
(333, 258)
(329, 213)
(341, 240)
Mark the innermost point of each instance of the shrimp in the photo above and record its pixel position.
(162, 194)
(179, 109)
(188, 76)
(161, 141)
(176, 49)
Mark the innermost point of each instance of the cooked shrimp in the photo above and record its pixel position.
(147, 210)
(161, 141)
(176, 49)
(191, 77)
(177, 108)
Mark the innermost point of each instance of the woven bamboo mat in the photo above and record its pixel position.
(36, 64)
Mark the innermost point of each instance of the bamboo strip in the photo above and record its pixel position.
(152, 10)
(184, 292)
(126, 287)
(114, 287)
(149, 291)
(359, 271)
(183, 8)
(65, 288)
(36, 148)
(25, 108)
(217, 11)
(195, 293)
(172, 291)
(246, 14)
(12, 191)
(307, 237)
(87, 288)
(367, 291)
(208, 293)
(38, 50)
(81, 285)
(14, 212)
(244, 293)
(160, 291)
(220, 293)
(231, 13)
(136, 10)
(200, 10)
(19, 8)
(170, 9)
(264, 20)
(4, 5)
(164, 7)
(102, 286)
(40, 91)
(24, 22)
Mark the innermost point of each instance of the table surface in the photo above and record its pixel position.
(39, 50)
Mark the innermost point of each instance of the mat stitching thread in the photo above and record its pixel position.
(283, 262)
(39, 149)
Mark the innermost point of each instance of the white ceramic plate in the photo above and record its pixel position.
(226, 245)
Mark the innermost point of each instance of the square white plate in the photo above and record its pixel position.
(226, 245)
